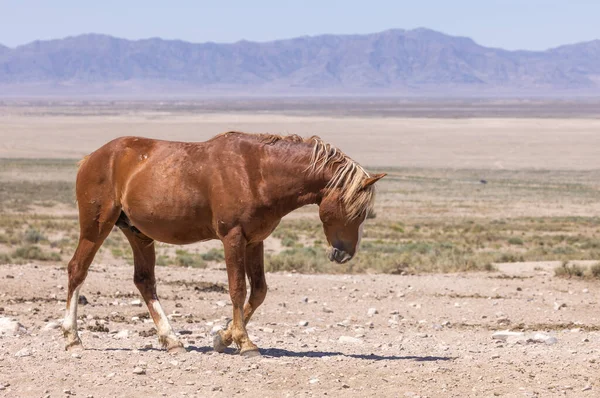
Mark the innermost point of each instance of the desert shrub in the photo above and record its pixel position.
(63, 243)
(116, 240)
(19, 195)
(34, 252)
(509, 258)
(515, 241)
(305, 259)
(162, 261)
(420, 257)
(213, 255)
(288, 237)
(5, 258)
(4, 238)
(595, 270)
(186, 259)
(564, 250)
(33, 235)
(569, 271)
(489, 267)
(288, 242)
(398, 227)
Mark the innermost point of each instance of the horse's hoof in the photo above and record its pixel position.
(74, 345)
(250, 353)
(218, 344)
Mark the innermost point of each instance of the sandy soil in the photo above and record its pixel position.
(431, 336)
(502, 143)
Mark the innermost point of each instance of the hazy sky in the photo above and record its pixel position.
(511, 24)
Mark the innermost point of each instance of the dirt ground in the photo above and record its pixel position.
(365, 335)
(431, 336)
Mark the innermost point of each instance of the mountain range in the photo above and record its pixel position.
(394, 62)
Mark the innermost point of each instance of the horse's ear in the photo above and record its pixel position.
(372, 180)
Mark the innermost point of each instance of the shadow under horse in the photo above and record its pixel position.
(235, 187)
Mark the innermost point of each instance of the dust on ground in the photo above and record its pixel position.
(427, 336)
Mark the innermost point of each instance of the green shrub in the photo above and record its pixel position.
(509, 258)
(305, 259)
(33, 235)
(34, 252)
(162, 261)
(595, 270)
(569, 271)
(5, 258)
(515, 241)
(64, 243)
(288, 242)
(399, 227)
(186, 259)
(213, 255)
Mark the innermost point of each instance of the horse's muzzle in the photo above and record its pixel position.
(338, 256)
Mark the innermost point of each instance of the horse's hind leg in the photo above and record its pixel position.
(95, 222)
(144, 261)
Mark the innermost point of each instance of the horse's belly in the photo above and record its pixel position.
(174, 231)
(176, 222)
(177, 235)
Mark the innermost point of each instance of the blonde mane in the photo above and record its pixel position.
(348, 176)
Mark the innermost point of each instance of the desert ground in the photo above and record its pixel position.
(488, 222)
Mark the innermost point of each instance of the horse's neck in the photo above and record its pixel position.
(296, 185)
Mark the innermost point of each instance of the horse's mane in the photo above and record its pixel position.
(266, 138)
(348, 175)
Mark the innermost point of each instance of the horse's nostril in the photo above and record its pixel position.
(331, 254)
(335, 254)
(338, 254)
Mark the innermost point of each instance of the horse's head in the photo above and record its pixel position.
(343, 221)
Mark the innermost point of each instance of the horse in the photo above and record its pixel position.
(235, 187)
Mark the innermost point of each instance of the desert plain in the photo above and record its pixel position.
(488, 222)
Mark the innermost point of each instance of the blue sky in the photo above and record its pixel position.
(511, 24)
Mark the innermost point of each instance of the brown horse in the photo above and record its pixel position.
(235, 187)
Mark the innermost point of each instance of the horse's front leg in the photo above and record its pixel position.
(235, 258)
(255, 271)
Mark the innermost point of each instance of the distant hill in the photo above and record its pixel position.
(393, 62)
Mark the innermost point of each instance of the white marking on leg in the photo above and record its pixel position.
(70, 321)
(163, 326)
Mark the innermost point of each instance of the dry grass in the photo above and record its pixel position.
(438, 245)
(567, 270)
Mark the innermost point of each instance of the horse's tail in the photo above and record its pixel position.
(79, 165)
(82, 162)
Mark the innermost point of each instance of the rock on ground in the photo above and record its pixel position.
(10, 327)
